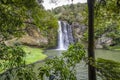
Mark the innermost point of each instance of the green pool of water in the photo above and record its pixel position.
(82, 68)
(99, 53)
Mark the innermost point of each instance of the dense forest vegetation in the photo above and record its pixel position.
(16, 17)
(19, 14)
(107, 26)
(23, 18)
(70, 13)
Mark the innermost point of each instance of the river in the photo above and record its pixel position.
(99, 53)
(82, 71)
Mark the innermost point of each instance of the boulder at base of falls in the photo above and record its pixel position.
(103, 41)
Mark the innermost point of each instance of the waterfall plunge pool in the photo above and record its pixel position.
(99, 53)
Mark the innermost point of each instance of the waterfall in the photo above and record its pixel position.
(65, 37)
(60, 37)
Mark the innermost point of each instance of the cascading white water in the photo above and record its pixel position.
(64, 35)
(60, 37)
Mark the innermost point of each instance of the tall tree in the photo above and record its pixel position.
(91, 55)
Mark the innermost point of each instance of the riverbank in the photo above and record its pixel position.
(33, 54)
(37, 54)
(116, 48)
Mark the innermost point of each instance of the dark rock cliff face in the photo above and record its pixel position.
(34, 37)
(79, 30)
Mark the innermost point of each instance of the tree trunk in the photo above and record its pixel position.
(91, 69)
